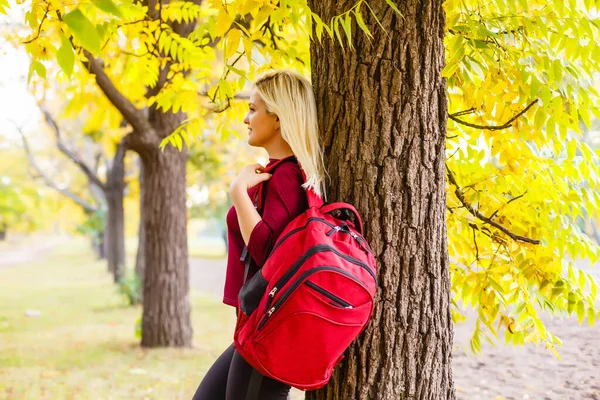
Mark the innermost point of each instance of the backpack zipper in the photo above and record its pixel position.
(312, 251)
(344, 228)
(290, 233)
(335, 299)
(297, 283)
(334, 228)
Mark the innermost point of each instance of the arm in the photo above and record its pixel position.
(247, 215)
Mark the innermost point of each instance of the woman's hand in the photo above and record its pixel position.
(249, 177)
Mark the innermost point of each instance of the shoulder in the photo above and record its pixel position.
(287, 173)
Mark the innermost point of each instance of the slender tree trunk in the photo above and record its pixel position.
(115, 185)
(166, 319)
(101, 246)
(140, 260)
(382, 115)
(2, 231)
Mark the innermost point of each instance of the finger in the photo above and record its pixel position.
(265, 176)
(259, 169)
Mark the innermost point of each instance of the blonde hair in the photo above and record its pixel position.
(290, 96)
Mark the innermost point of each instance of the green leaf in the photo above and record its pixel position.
(83, 30)
(581, 280)
(591, 316)
(347, 25)
(38, 68)
(337, 30)
(558, 70)
(361, 23)
(66, 56)
(393, 7)
(580, 312)
(108, 6)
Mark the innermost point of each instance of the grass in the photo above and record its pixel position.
(83, 345)
(198, 246)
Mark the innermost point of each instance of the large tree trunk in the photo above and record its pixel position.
(382, 115)
(115, 185)
(140, 260)
(166, 319)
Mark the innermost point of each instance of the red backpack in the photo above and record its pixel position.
(311, 299)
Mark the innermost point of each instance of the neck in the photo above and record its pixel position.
(278, 150)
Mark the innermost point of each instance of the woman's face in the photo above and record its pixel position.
(262, 127)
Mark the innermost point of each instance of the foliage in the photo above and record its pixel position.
(14, 204)
(94, 225)
(129, 288)
(23, 205)
(534, 178)
(515, 188)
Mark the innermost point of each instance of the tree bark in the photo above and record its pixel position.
(382, 117)
(140, 260)
(100, 245)
(166, 318)
(2, 231)
(115, 185)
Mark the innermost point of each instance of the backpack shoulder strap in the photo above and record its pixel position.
(259, 194)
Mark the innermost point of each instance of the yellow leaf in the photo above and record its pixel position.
(233, 42)
(571, 149)
(224, 21)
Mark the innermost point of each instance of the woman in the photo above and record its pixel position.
(282, 119)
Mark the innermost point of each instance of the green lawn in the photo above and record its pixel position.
(203, 247)
(83, 345)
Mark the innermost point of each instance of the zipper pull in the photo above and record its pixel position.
(334, 230)
(272, 292)
(271, 311)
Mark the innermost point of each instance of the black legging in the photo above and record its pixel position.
(228, 379)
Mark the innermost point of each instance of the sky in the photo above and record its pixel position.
(17, 105)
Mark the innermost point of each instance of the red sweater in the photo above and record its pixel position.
(285, 199)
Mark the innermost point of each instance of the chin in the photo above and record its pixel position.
(252, 142)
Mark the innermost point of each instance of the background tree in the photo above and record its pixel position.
(24, 205)
(105, 213)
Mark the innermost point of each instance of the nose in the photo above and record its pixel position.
(246, 119)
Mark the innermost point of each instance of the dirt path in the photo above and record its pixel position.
(23, 250)
(502, 372)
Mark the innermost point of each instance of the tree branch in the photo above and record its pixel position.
(72, 156)
(134, 116)
(489, 127)
(482, 217)
(507, 203)
(48, 181)
(39, 27)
